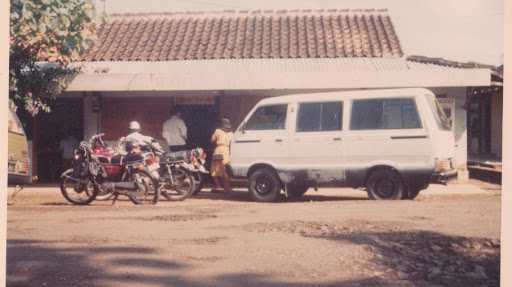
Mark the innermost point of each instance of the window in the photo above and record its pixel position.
(268, 118)
(320, 117)
(443, 121)
(378, 114)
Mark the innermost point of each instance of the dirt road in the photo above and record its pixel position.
(332, 237)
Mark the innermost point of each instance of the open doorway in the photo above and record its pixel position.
(201, 122)
(65, 118)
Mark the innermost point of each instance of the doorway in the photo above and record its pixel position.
(201, 121)
(65, 118)
(479, 125)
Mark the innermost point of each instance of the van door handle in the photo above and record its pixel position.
(336, 139)
(247, 141)
(407, 137)
(279, 140)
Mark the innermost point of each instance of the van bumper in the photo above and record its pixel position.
(443, 177)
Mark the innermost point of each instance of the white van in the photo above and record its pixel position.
(392, 142)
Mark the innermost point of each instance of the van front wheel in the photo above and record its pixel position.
(264, 185)
(385, 184)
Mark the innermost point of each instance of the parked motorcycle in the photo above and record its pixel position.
(98, 170)
(179, 172)
(173, 174)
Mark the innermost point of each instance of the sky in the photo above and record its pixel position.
(460, 30)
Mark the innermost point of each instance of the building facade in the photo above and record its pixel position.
(219, 64)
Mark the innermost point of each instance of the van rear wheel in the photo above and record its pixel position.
(264, 185)
(385, 184)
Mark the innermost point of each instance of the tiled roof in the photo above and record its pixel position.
(247, 35)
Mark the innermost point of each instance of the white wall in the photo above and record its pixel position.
(91, 119)
(458, 94)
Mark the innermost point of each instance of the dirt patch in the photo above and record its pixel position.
(401, 254)
(178, 217)
(199, 241)
(438, 240)
(167, 217)
(311, 228)
(429, 257)
(209, 259)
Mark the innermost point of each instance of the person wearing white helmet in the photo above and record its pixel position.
(135, 137)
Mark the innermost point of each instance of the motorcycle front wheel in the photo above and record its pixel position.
(179, 188)
(76, 191)
(147, 189)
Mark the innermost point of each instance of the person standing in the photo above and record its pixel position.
(174, 131)
(221, 140)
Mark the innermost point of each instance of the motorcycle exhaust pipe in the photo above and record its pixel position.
(119, 185)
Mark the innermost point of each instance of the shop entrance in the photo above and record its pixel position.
(479, 123)
(201, 121)
(65, 118)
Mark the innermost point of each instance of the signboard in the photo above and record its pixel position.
(195, 100)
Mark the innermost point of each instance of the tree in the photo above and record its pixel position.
(46, 37)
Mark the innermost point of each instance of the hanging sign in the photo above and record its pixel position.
(195, 100)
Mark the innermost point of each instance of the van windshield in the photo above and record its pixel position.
(441, 119)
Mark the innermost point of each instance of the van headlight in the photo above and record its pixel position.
(443, 164)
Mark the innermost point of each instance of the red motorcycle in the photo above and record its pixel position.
(99, 171)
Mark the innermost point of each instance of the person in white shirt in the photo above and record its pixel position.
(174, 131)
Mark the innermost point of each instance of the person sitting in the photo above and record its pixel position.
(135, 136)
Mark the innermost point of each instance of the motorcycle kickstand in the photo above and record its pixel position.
(115, 198)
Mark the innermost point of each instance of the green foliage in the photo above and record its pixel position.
(46, 37)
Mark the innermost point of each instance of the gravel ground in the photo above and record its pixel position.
(448, 236)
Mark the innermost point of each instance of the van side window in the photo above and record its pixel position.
(377, 114)
(268, 118)
(314, 117)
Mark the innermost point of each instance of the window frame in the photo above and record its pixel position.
(286, 105)
(440, 117)
(413, 98)
(321, 103)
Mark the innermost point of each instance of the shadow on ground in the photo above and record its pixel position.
(244, 196)
(427, 258)
(414, 259)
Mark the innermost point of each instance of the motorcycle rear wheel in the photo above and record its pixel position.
(75, 191)
(148, 191)
(182, 188)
